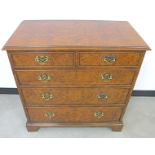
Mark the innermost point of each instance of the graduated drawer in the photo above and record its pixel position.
(80, 96)
(30, 59)
(75, 77)
(108, 59)
(74, 114)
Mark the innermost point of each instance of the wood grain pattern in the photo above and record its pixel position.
(75, 65)
(62, 78)
(74, 114)
(49, 34)
(121, 59)
(75, 96)
(54, 59)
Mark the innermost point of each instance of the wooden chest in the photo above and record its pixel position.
(75, 73)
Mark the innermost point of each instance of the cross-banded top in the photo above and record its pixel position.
(75, 34)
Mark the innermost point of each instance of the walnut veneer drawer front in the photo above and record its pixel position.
(74, 114)
(73, 96)
(40, 59)
(108, 58)
(75, 77)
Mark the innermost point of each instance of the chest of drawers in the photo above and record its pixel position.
(75, 73)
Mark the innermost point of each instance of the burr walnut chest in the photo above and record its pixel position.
(75, 73)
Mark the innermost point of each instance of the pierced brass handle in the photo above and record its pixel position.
(44, 77)
(99, 114)
(47, 96)
(102, 96)
(49, 114)
(106, 77)
(109, 59)
(41, 59)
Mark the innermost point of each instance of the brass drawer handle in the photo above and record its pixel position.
(99, 114)
(44, 77)
(106, 77)
(49, 114)
(47, 96)
(41, 59)
(109, 59)
(102, 96)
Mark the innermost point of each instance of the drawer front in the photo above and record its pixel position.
(108, 59)
(80, 96)
(74, 114)
(43, 59)
(75, 77)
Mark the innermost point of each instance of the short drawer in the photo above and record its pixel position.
(29, 59)
(74, 114)
(73, 96)
(108, 59)
(78, 78)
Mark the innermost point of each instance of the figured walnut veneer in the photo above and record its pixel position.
(75, 73)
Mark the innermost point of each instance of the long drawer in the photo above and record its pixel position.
(110, 59)
(75, 77)
(74, 114)
(73, 96)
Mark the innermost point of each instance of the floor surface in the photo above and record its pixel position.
(139, 121)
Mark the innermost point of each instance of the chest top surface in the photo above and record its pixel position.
(53, 34)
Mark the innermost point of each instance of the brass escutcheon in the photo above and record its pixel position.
(49, 114)
(44, 77)
(109, 59)
(41, 59)
(47, 96)
(99, 114)
(102, 96)
(106, 77)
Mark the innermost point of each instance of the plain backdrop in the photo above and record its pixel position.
(140, 13)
